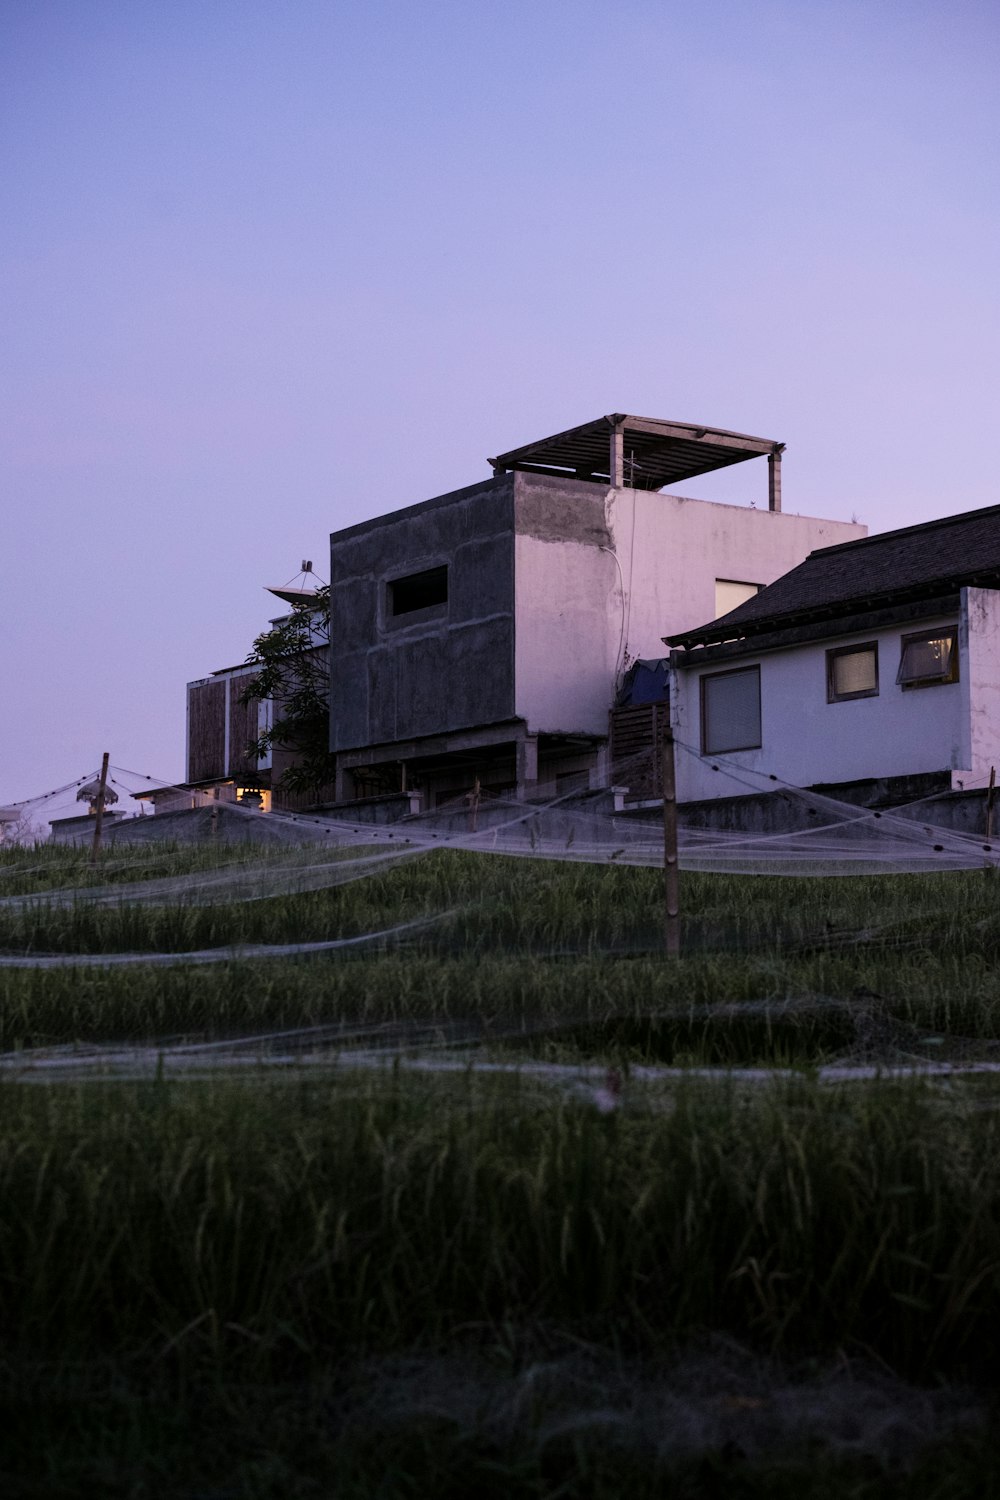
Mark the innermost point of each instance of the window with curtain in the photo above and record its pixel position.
(852, 672)
(730, 711)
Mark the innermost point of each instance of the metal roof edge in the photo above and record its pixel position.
(849, 622)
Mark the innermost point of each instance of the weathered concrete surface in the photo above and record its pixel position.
(568, 606)
(979, 673)
(561, 510)
(434, 670)
(195, 825)
(551, 581)
(785, 812)
(390, 808)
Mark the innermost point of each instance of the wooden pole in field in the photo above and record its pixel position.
(671, 872)
(989, 803)
(99, 809)
(989, 813)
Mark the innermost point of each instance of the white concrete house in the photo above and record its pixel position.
(877, 660)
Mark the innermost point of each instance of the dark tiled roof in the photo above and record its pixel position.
(907, 564)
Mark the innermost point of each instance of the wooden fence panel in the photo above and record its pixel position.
(206, 730)
(636, 735)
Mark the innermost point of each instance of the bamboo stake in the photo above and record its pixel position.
(988, 867)
(99, 820)
(671, 872)
(989, 803)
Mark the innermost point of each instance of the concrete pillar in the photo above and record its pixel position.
(617, 465)
(600, 775)
(527, 764)
(343, 784)
(774, 481)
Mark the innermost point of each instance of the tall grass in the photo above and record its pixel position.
(268, 1225)
(640, 1008)
(502, 903)
(233, 1241)
(553, 959)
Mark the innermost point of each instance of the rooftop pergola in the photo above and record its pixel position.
(643, 453)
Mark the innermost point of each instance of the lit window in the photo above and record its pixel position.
(730, 711)
(852, 672)
(418, 591)
(928, 658)
(729, 594)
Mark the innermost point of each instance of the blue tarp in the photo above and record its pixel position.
(645, 682)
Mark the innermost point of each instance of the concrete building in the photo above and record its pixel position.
(479, 637)
(222, 730)
(80, 829)
(873, 665)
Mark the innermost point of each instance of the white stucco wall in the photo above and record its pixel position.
(578, 608)
(806, 740)
(672, 550)
(567, 609)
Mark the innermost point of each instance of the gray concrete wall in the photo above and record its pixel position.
(435, 670)
(779, 812)
(561, 510)
(222, 825)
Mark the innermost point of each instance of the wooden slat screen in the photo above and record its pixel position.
(242, 730)
(637, 748)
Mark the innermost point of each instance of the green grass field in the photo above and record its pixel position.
(304, 1275)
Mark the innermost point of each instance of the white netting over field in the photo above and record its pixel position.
(233, 953)
(768, 827)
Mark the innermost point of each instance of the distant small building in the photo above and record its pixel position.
(80, 828)
(877, 661)
(222, 729)
(10, 818)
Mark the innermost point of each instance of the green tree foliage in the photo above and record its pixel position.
(294, 660)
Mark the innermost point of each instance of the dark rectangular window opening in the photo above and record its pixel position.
(418, 591)
(730, 711)
(852, 672)
(928, 658)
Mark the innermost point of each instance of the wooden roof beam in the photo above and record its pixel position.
(751, 446)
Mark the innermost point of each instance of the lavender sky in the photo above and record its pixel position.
(269, 269)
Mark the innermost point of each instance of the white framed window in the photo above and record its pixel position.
(730, 711)
(928, 658)
(852, 672)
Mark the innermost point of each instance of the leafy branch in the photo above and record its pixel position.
(294, 661)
